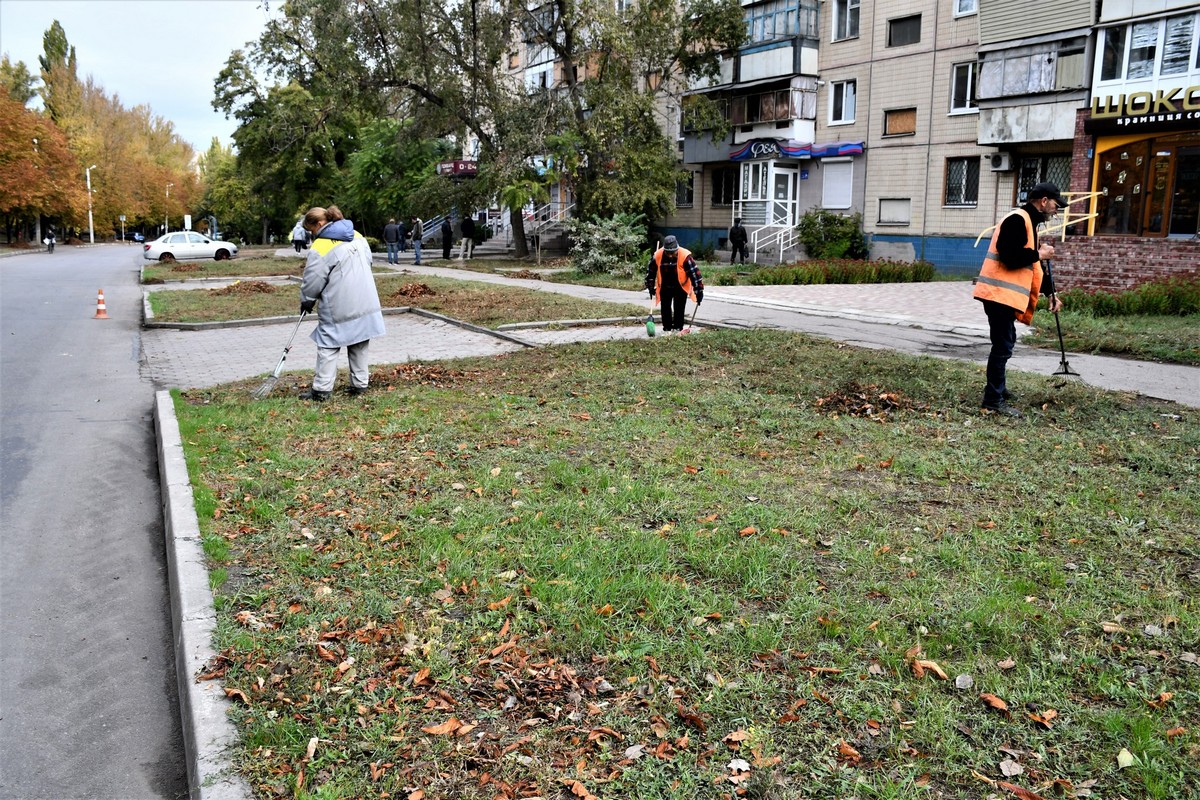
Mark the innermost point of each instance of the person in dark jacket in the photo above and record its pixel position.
(468, 239)
(447, 231)
(391, 237)
(737, 241)
(403, 236)
(1009, 283)
(671, 278)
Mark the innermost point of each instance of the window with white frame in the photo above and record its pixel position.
(845, 19)
(773, 20)
(962, 181)
(623, 5)
(837, 183)
(895, 210)
(842, 95)
(1150, 48)
(963, 8)
(962, 88)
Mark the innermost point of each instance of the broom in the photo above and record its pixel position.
(269, 384)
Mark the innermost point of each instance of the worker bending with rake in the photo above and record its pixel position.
(1009, 283)
(671, 278)
(338, 274)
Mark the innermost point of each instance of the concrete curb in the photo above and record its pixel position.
(209, 736)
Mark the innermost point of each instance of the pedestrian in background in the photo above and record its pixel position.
(338, 274)
(403, 236)
(418, 233)
(737, 241)
(447, 231)
(671, 278)
(391, 238)
(1009, 283)
(468, 239)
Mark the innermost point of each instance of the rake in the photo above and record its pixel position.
(1064, 368)
(269, 384)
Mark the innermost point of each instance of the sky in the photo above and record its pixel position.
(161, 53)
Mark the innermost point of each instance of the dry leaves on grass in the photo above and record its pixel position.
(526, 274)
(412, 290)
(238, 288)
(186, 266)
(868, 401)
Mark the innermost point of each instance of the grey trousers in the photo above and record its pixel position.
(326, 373)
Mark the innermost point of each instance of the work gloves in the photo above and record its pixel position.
(699, 296)
(306, 306)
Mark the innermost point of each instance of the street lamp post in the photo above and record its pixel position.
(91, 230)
(167, 212)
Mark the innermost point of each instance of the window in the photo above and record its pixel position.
(775, 20)
(895, 210)
(685, 191)
(962, 90)
(904, 30)
(1143, 48)
(900, 122)
(1177, 45)
(845, 19)
(964, 7)
(623, 5)
(1149, 49)
(962, 181)
(754, 180)
(837, 183)
(841, 101)
(773, 106)
(724, 186)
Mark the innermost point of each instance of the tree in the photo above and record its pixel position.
(37, 170)
(17, 81)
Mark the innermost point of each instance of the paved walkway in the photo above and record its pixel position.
(939, 319)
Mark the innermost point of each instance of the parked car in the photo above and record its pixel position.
(132, 236)
(187, 246)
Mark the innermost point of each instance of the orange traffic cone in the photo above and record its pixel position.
(101, 312)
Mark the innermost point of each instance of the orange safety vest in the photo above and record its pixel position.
(684, 280)
(1017, 288)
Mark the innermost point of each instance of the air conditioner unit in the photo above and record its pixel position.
(1001, 162)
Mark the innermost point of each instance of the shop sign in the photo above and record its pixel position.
(458, 169)
(1161, 110)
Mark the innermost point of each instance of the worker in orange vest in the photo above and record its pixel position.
(1009, 283)
(671, 278)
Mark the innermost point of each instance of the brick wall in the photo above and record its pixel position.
(1116, 263)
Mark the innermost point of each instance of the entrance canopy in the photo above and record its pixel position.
(790, 148)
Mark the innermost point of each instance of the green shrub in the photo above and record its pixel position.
(844, 271)
(825, 234)
(375, 244)
(703, 251)
(614, 245)
(1174, 297)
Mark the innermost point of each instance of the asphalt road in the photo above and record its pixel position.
(88, 705)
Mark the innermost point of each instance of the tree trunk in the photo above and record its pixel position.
(516, 221)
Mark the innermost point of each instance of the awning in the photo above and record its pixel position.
(790, 148)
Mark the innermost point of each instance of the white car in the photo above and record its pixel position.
(187, 246)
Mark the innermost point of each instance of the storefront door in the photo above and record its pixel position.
(1185, 205)
(783, 202)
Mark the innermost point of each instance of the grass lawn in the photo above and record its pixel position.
(1172, 339)
(735, 564)
(260, 267)
(480, 303)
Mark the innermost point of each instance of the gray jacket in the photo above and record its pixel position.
(338, 275)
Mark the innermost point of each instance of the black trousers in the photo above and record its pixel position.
(674, 301)
(739, 248)
(1002, 329)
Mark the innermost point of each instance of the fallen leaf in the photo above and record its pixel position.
(634, 752)
(311, 750)
(847, 752)
(1007, 663)
(499, 604)
(1020, 792)
(735, 739)
(1161, 701)
(748, 531)
(1178, 730)
(449, 726)
(1124, 758)
(579, 790)
(1011, 768)
(1112, 627)
(690, 470)
(738, 765)
(238, 693)
(994, 702)
(1043, 718)
(417, 794)
(933, 667)
(964, 681)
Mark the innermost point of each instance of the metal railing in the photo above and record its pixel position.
(772, 237)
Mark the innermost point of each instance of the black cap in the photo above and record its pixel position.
(670, 244)
(1047, 190)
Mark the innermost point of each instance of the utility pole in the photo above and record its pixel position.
(91, 230)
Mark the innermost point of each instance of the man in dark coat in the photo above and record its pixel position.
(447, 235)
(737, 241)
(468, 239)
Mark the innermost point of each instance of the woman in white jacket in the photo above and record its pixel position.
(338, 274)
